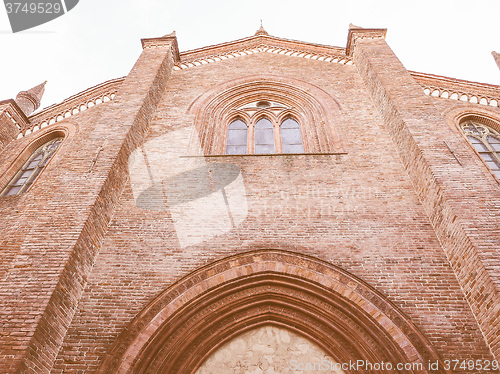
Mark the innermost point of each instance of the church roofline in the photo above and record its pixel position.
(443, 78)
(56, 112)
(256, 41)
(255, 44)
(465, 90)
(74, 104)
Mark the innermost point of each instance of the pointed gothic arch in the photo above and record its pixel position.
(488, 123)
(62, 132)
(343, 315)
(483, 135)
(316, 110)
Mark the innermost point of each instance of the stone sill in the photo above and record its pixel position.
(270, 155)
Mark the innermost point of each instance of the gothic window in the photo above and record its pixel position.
(264, 127)
(291, 137)
(302, 116)
(486, 141)
(25, 177)
(264, 136)
(236, 143)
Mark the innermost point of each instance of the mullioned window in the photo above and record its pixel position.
(264, 128)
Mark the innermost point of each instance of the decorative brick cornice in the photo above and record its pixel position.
(457, 89)
(96, 95)
(356, 33)
(262, 44)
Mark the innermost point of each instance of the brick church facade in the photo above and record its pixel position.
(258, 206)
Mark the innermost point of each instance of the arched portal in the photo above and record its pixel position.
(338, 312)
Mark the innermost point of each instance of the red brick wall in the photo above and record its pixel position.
(8, 129)
(54, 231)
(394, 210)
(461, 202)
(359, 211)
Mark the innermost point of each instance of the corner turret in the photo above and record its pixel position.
(29, 101)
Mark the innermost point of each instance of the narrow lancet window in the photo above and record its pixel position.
(236, 143)
(25, 177)
(486, 141)
(291, 137)
(264, 136)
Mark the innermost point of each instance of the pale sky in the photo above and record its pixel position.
(100, 40)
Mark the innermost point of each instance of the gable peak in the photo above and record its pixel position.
(261, 30)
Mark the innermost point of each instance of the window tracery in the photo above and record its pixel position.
(275, 97)
(486, 142)
(32, 168)
(264, 127)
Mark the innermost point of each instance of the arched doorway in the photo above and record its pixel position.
(335, 311)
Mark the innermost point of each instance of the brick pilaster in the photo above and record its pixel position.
(11, 117)
(40, 292)
(461, 202)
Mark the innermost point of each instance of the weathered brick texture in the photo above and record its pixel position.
(65, 216)
(466, 223)
(10, 116)
(100, 242)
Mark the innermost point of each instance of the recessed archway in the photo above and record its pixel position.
(328, 306)
(319, 112)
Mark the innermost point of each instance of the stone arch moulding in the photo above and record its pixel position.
(318, 111)
(177, 331)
